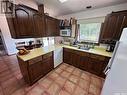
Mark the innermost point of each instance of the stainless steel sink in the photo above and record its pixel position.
(84, 48)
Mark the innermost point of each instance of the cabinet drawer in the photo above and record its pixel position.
(68, 50)
(85, 54)
(35, 60)
(48, 55)
(98, 57)
(47, 59)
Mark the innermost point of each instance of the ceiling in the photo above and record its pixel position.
(72, 6)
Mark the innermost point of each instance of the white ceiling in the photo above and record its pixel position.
(72, 6)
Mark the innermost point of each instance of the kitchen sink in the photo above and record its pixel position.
(84, 48)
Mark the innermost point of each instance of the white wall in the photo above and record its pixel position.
(9, 42)
(101, 12)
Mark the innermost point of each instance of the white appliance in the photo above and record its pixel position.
(65, 32)
(58, 57)
(116, 79)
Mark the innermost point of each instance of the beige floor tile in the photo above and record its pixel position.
(63, 66)
(53, 75)
(84, 84)
(19, 92)
(77, 72)
(86, 76)
(45, 93)
(74, 79)
(65, 74)
(96, 81)
(58, 70)
(37, 90)
(94, 90)
(69, 86)
(80, 91)
(63, 92)
(46, 82)
(54, 89)
(61, 81)
(70, 69)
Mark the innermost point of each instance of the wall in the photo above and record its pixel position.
(101, 12)
(30, 3)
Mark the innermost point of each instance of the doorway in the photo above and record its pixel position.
(2, 45)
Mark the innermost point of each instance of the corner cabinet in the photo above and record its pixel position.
(86, 61)
(34, 69)
(113, 26)
(30, 23)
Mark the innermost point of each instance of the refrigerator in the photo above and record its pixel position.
(116, 70)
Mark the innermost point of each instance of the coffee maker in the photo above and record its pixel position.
(111, 46)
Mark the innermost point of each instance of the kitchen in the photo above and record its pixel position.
(57, 49)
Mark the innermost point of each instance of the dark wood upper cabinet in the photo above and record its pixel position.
(39, 25)
(23, 22)
(52, 26)
(31, 23)
(121, 23)
(113, 26)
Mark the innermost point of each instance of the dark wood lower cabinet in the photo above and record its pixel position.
(83, 62)
(67, 56)
(36, 68)
(48, 65)
(35, 71)
(86, 61)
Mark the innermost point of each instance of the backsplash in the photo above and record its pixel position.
(45, 41)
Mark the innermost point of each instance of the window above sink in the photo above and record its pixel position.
(89, 32)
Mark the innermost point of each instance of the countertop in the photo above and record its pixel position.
(43, 50)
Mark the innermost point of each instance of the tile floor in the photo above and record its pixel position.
(64, 80)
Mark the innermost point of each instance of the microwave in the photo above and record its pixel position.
(65, 32)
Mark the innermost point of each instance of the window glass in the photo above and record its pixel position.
(89, 32)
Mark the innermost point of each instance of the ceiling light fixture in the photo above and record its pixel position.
(62, 1)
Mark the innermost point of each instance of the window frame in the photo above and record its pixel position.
(96, 42)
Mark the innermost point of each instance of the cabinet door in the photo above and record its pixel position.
(52, 26)
(95, 66)
(75, 59)
(113, 26)
(39, 25)
(36, 71)
(120, 25)
(105, 63)
(48, 63)
(67, 56)
(109, 27)
(47, 66)
(57, 32)
(84, 61)
(23, 22)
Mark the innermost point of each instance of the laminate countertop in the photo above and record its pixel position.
(43, 50)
